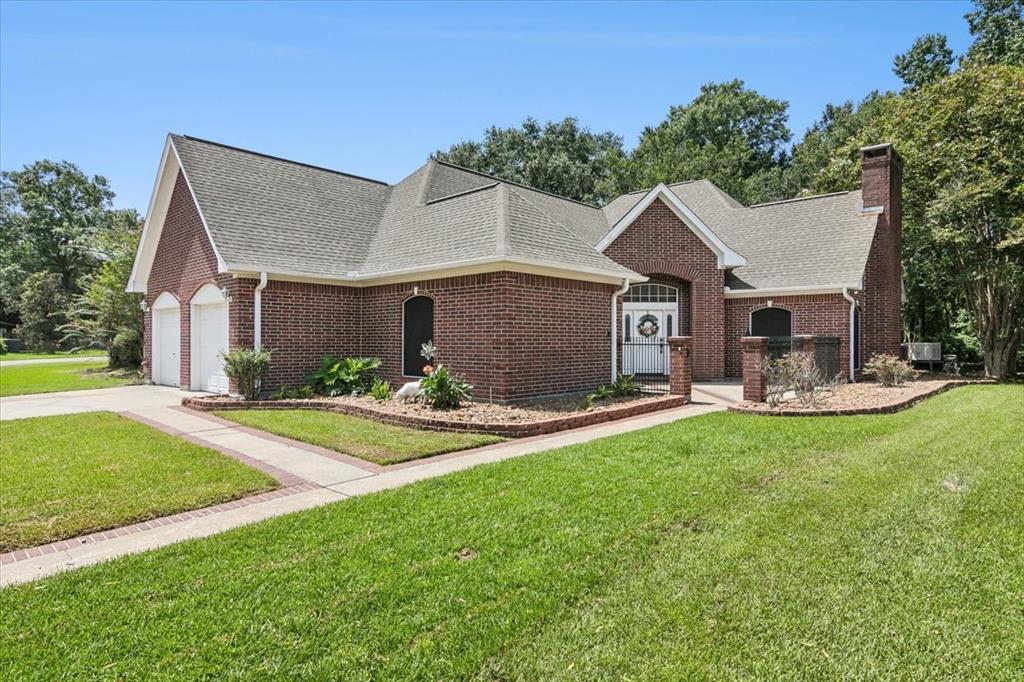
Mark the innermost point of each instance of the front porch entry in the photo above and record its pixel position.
(650, 315)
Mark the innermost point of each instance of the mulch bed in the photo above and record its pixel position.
(519, 420)
(865, 397)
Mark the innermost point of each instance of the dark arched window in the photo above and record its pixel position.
(417, 329)
(771, 322)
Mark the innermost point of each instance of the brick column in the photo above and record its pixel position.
(755, 348)
(680, 364)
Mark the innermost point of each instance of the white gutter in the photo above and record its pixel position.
(257, 312)
(853, 308)
(615, 322)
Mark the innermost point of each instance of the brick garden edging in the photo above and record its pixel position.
(846, 411)
(510, 430)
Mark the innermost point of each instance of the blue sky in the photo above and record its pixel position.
(373, 89)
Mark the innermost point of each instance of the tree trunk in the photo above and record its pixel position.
(998, 309)
(1001, 360)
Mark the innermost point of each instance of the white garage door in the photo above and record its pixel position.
(166, 346)
(210, 340)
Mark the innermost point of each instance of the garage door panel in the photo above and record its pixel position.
(209, 342)
(167, 347)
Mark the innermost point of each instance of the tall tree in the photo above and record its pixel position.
(729, 134)
(998, 30)
(928, 60)
(560, 157)
(962, 140)
(104, 314)
(52, 212)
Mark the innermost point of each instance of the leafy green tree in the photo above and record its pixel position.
(43, 308)
(998, 30)
(104, 314)
(51, 214)
(962, 140)
(810, 169)
(927, 61)
(559, 157)
(728, 134)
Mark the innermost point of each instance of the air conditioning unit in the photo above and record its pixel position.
(924, 352)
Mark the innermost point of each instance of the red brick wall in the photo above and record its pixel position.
(881, 320)
(503, 331)
(184, 262)
(821, 314)
(659, 243)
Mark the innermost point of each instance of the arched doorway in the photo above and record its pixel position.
(650, 314)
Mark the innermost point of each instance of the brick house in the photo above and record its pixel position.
(524, 292)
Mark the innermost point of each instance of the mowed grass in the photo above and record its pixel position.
(60, 376)
(75, 474)
(97, 353)
(721, 547)
(362, 438)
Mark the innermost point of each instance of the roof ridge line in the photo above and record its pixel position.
(461, 194)
(515, 184)
(501, 201)
(281, 158)
(572, 234)
(795, 199)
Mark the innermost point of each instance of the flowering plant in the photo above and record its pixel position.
(428, 370)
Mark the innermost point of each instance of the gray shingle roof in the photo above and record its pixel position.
(266, 213)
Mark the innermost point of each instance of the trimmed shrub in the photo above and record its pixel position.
(444, 390)
(248, 367)
(625, 385)
(889, 370)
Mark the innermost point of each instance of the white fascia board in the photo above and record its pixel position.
(151, 228)
(788, 291)
(466, 267)
(156, 214)
(727, 258)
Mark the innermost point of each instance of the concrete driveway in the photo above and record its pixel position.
(121, 399)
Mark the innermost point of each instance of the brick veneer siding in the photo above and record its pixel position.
(184, 261)
(513, 335)
(820, 314)
(680, 379)
(881, 321)
(754, 349)
(659, 243)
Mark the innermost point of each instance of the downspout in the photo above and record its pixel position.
(257, 312)
(615, 323)
(853, 308)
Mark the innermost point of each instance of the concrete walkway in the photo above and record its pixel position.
(311, 476)
(53, 361)
(119, 399)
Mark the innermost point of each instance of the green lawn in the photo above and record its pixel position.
(97, 353)
(71, 475)
(363, 438)
(722, 547)
(60, 376)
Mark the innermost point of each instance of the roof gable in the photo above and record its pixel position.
(727, 258)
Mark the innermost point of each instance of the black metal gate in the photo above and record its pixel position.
(646, 358)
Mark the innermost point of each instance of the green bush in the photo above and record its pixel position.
(43, 307)
(380, 389)
(248, 367)
(444, 390)
(889, 370)
(126, 350)
(345, 376)
(3, 346)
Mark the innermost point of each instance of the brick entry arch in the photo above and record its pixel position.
(659, 243)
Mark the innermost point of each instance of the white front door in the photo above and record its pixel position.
(650, 314)
(209, 341)
(166, 346)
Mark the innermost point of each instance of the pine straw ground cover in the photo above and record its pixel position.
(723, 546)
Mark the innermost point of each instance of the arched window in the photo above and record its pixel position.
(417, 329)
(771, 322)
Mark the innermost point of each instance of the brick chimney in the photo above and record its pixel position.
(881, 324)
